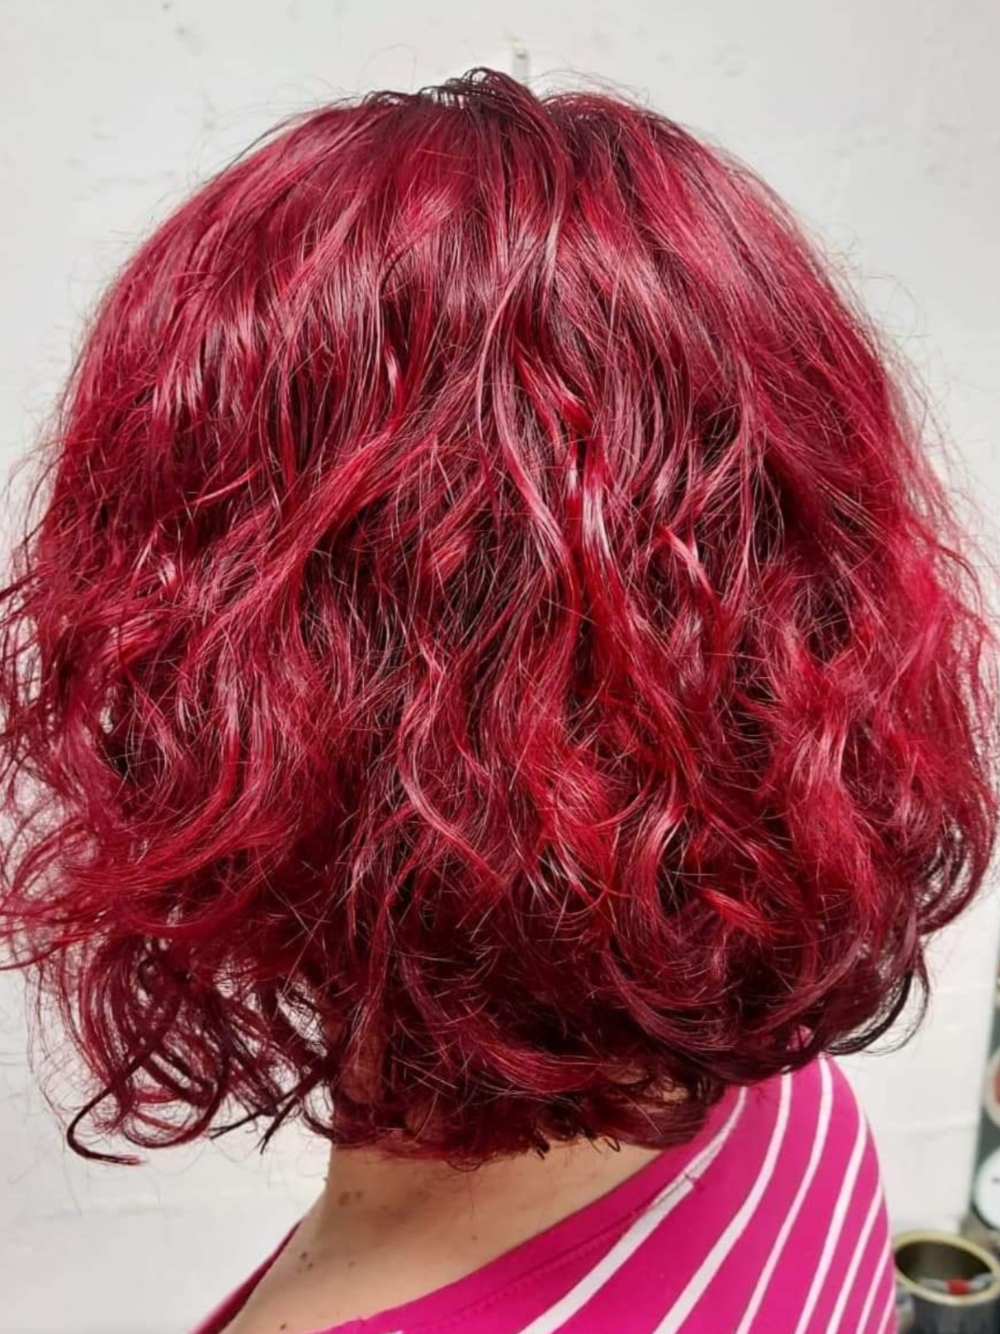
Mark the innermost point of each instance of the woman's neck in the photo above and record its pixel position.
(386, 1229)
(374, 1196)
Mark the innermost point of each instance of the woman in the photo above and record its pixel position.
(494, 677)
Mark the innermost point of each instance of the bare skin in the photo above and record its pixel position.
(387, 1230)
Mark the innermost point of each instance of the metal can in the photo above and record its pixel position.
(953, 1283)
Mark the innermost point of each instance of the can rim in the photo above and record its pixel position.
(960, 1243)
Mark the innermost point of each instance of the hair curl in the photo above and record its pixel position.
(493, 665)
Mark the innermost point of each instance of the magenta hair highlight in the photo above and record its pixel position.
(493, 664)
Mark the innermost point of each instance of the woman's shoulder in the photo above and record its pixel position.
(801, 1134)
(816, 1103)
(817, 1165)
(788, 1223)
(824, 1080)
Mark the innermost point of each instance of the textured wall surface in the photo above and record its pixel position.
(879, 123)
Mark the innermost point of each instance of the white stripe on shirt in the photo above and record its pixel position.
(816, 1153)
(872, 1290)
(836, 1224)
(699, 1281)
(847, 1287)
(667, 1200)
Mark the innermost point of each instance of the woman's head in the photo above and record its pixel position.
(492, 664)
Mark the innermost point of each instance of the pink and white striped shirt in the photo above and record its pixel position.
(772, 1221)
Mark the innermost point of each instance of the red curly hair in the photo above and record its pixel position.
(493, 665)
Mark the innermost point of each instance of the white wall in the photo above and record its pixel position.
(879, 122)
